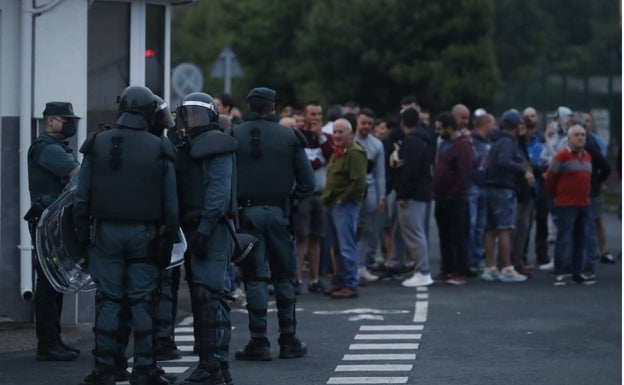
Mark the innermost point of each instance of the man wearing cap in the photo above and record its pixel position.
(505, 166)
(270, 160)
(51, 163)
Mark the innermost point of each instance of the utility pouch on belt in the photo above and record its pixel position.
(244, 242)
(161, 248)
(32, 216)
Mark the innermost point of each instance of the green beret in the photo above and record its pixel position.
(60, 109)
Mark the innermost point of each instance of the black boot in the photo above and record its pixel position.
(147, 375)
(169, 377)
(55, 352)
(225, 371)
(208, 372)
(291, 346)
(70, 348)
(166, 350)
(258, 349)
(101, 375)
(121, 368)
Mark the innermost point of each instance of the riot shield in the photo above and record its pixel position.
(177, 253)
(61, 256)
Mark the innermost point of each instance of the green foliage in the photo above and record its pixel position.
(376, 52)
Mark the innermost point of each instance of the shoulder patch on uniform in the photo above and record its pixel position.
(87, 145)
(213, 143)
(301, 138)
(168, 149)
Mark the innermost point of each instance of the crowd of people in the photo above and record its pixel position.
(491, 181)
(350, 198)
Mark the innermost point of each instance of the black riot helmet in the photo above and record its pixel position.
(162, 117)
(196, 112)
(136, 107)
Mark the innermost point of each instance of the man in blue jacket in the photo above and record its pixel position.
(504, 167)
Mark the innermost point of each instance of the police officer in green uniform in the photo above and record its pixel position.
(165, 347)
(270, 160)
(51, 163)
(205, 168)
(125, 204)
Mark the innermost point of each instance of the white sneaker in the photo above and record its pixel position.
(548, 266)
(418, 279)
(366, 275)
(509, 274)
(490, 274)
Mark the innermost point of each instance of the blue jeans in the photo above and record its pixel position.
(342, 220)
(477, 203)
(592, 233)
(572, 221)
(368, 226)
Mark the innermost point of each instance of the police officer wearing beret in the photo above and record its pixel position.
(51, 163)
(126, 202)
(205, 166)
(270, 160)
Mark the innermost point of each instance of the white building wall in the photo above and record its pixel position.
(60, 59)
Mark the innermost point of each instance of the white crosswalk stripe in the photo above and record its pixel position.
(373, 358)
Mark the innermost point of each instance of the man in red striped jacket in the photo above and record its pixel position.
(568, 182)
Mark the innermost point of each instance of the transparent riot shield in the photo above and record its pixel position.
(177, 253)
(61, 256)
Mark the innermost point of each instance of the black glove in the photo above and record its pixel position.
(197, 244)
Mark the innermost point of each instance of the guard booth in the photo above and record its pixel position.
(82, 51)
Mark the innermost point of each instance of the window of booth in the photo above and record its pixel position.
(155, 48)
(108, 60)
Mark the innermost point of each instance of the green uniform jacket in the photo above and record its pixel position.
(346, 177)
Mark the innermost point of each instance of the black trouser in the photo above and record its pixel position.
(451, 215)
(48, 307)
(48, 304)
(541, 222)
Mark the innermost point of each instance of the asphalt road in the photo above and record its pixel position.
(480, 333)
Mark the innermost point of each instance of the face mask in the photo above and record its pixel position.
(69, 128)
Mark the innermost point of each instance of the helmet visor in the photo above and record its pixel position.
(162, 117)
(193, 114)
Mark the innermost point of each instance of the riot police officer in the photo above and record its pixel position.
(51, 163)
(125, 206)
(270, 160)
(205, 169)
(165, 347)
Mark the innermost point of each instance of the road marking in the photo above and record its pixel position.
(421, 288)
(188, 320)
(364, 310)
(374, 368)
(175, 369)
(184, 330)
(186, 348)
(373, 357)
(420, 311)
(367, 380)
(182, 359)
(421, 307)
(185, 338)
(378, 328)
(383, 346)
(388, 336)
